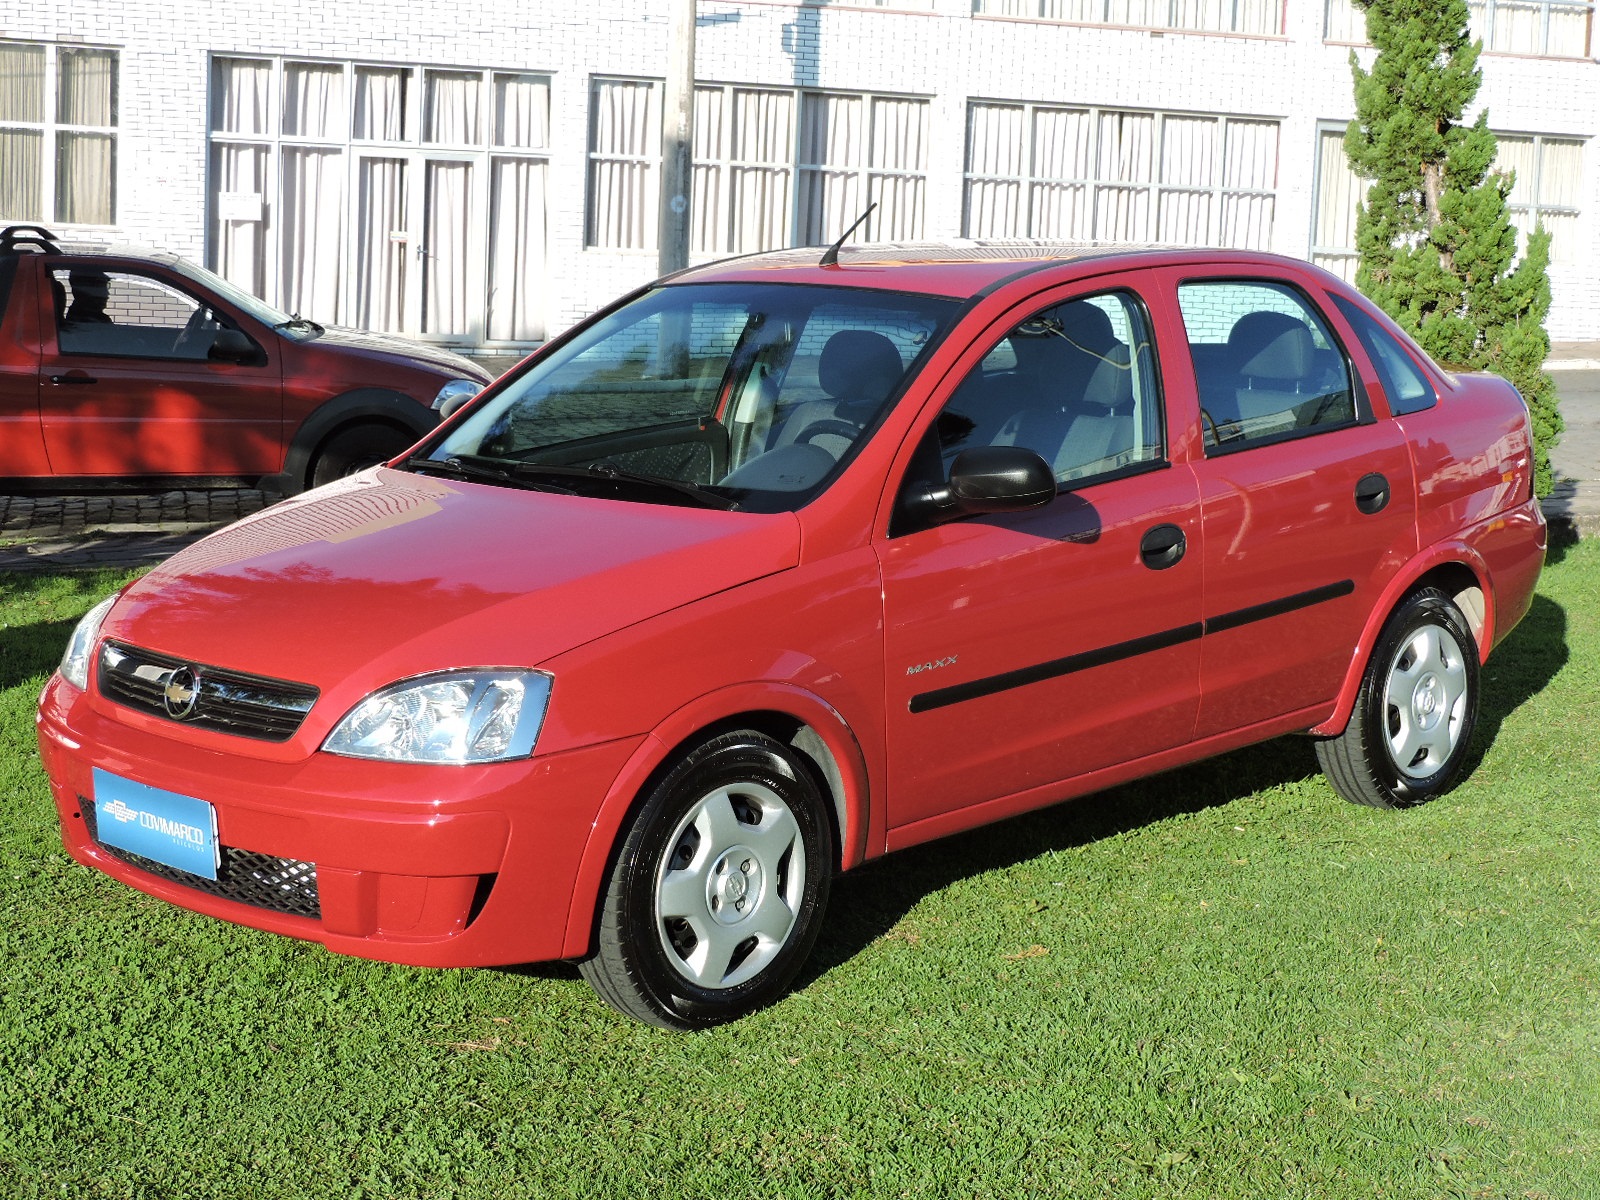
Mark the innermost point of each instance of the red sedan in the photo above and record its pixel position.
(781, 564)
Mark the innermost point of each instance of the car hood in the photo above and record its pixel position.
(389, 348)
(386, 574)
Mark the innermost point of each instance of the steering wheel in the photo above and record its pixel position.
(829, 426)
(200, 321)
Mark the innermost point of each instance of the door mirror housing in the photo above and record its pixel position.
(234, 346)
(986, 479)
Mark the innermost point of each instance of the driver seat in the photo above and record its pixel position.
(857, 369)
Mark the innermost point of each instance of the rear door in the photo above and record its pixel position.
(1308, 501)
(1029, 648)
(127, 387)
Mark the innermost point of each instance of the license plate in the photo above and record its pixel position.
(179, 831)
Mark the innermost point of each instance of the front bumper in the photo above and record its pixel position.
(424, 865)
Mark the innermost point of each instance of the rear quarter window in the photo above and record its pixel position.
(1408, 389)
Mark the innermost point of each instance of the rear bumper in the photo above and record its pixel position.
(428, 866)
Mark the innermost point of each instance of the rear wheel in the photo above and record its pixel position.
(1415, 713)
(356, 448)
(717, 893)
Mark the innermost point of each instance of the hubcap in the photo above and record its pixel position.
(1425, 701)
(729, 886)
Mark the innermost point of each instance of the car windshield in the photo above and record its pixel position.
(745, 396)
(254, 305)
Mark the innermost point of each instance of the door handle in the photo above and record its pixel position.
(73, 378)
(1162, 546)
(1372, 493)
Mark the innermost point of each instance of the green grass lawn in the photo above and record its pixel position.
(1223, 982)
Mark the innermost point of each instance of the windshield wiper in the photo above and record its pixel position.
(455, 468)
(611, 473)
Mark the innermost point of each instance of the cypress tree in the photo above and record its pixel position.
(1437, 247)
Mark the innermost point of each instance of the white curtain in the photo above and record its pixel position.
(85, 168)
(380, 114)
(381, 262)
(239, 247)
(313, 100)
(1126, 155)
(1339, 193)
(1345, 22)
(517, 236)
(447, 301)
(763, 153)
(21, 178)
(450, 108)
(1188, 160)
(898, 145)
(1249, 164)
(625, 148)
(311, 232)
(21, 83)
(708, 216)
(1063, 159)
(1569, 30)
(832, 140)
(522, 111)
(240, 90)
(995, 145)
(1560, 187)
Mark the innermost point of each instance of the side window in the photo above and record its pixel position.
(125, 315)
(1075, 382)
(1408, 389)
(1266, 364)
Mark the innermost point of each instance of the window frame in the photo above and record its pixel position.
(53, 134)
(1481, 22)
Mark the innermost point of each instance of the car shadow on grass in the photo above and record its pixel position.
(871, 900)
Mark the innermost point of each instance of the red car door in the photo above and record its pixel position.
(1032, 647)
(128, 385)
(1309, 502)
(21, 444)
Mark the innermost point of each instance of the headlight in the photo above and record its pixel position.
(456, 717)
(454, 394)
(80, 649)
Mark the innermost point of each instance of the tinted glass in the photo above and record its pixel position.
(1408, 389)
(758, 392)
(1266, 365)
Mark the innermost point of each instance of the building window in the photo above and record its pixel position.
(58, 134)
(1088, 174)
(1547, 28)
(772, 166)
(1549, 176)
(397, 198)
(1261, 17)
(1548, 183)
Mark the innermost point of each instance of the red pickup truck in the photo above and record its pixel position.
(146, 367)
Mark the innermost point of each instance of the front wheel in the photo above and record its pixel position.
(1415, 712)
(718, 890)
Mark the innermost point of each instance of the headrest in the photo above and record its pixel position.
(1111, 385)
(1286, 357)
(858, 364)
(1086, 327)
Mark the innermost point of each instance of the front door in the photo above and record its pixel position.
(1034, 647)
(127, 387)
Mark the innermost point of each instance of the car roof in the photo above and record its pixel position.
(958, 268)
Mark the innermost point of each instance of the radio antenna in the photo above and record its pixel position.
(830, 256)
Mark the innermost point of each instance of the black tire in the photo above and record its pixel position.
(735, 836)
(1415, 712)
(355, 448)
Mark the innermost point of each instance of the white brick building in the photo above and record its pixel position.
(483, 173)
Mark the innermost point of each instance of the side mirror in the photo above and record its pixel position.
(235, 346)
(986, 479)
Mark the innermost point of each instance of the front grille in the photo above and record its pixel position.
(284, 885)
(269, 710)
